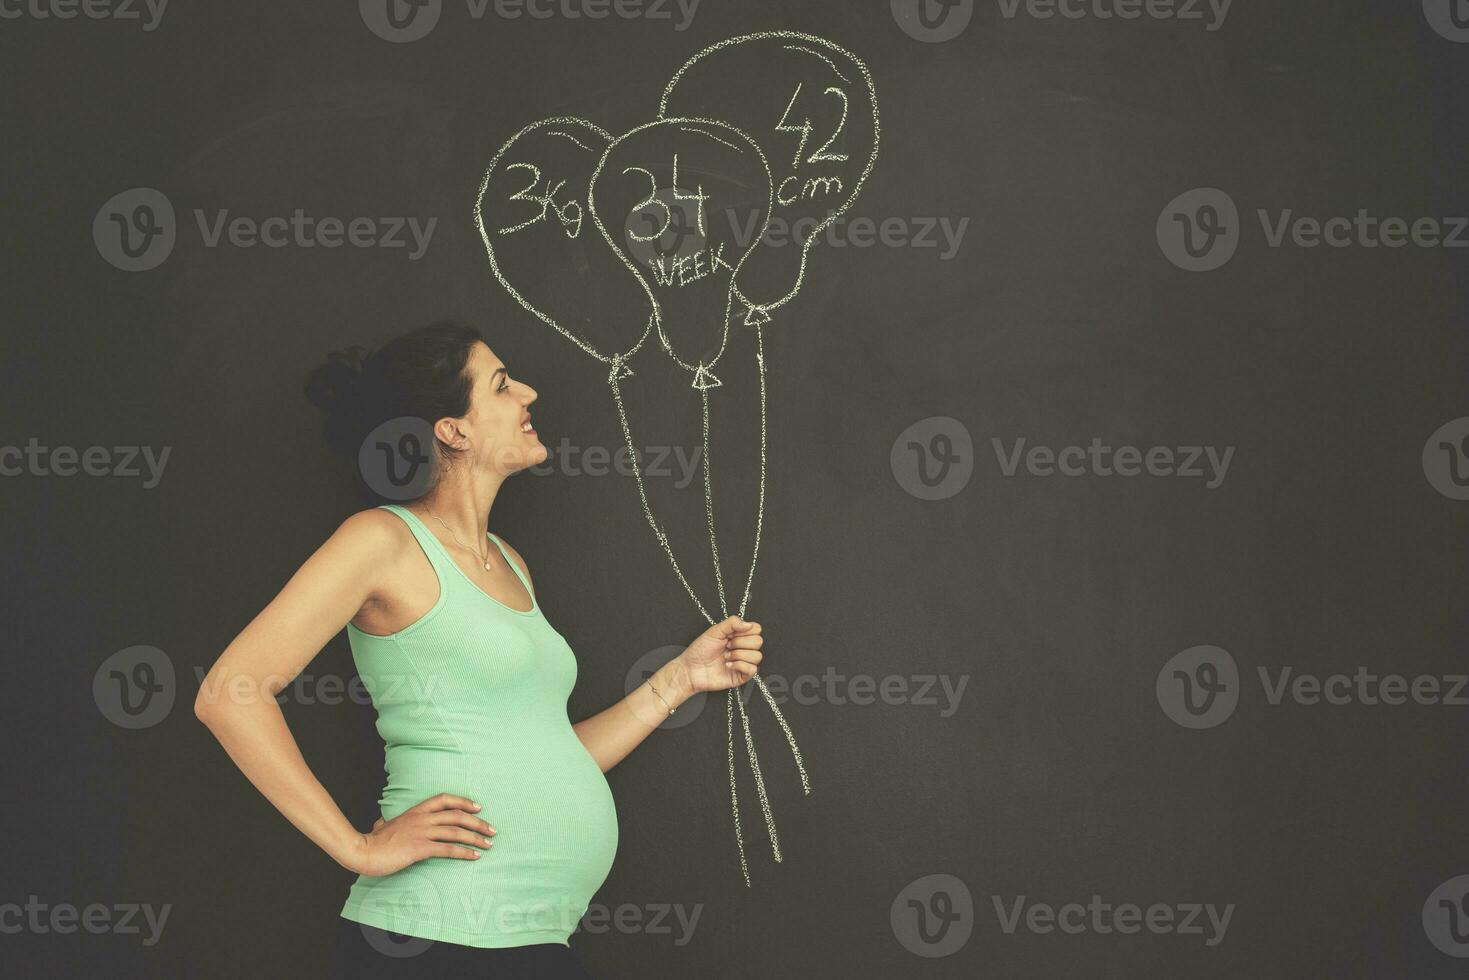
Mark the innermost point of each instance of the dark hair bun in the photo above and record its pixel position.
(339, 388)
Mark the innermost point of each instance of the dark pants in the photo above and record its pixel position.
(366, 952)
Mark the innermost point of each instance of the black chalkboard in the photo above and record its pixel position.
(1109, 550)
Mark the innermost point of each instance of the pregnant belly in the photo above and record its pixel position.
(556, 839)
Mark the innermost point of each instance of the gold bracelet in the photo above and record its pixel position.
(659, 696)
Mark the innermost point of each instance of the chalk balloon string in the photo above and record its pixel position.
(619, 370)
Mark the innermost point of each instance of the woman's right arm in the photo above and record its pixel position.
(237, 702)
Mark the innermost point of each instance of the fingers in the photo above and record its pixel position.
(451, 851)
(458, 818)
(745, 641)
(458, 835)
(734, 625)
(446, 801)
(742, 656)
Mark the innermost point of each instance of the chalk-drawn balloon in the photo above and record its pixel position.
(812, 108)
(532, 214)
(663, 196)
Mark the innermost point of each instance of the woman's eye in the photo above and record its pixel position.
(504, 386)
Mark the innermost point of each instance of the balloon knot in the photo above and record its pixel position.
(704, 379)
(756, 315)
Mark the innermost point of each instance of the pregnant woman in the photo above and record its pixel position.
(497, 825)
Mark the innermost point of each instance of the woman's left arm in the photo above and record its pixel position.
(725, 655)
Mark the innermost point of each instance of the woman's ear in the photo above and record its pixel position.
(448, 432)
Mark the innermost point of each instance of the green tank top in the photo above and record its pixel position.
(471, 700)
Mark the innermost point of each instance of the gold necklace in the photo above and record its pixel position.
(484, 558)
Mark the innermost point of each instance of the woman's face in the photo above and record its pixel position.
(498, 421)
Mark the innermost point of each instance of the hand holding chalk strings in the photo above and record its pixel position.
(725, 655)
